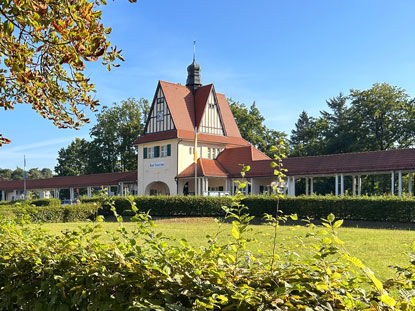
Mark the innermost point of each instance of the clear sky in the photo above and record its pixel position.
(288, 56)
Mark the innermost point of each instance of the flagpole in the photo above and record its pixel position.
(24, 182)
(195, 161)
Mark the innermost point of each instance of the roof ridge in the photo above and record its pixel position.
(356, 152)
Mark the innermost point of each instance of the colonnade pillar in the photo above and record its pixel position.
(393, 183)
(336, 186)
(410, 184)
(400, 183)
(354, 185)
(71, 194)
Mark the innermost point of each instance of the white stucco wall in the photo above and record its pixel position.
(162, 169)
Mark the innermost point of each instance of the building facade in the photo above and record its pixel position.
(166, 150)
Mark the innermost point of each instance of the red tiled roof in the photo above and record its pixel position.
(228, 121)
(205, 167)
(357, 162)
(202, 96)
(233, 159)
(106, 179)
(182, 105)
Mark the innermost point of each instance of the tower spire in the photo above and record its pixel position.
(194, 80)
(194, 51)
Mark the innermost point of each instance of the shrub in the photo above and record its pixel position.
(43, 214)
(352, 208)
(142, 270)
(46, 202)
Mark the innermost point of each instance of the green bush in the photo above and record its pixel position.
(44, 214)
(46, 202)
(351, 208)
(36, 202)
(145, 270)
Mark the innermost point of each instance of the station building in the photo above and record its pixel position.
(166, 150)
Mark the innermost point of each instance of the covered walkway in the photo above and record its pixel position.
(396, 163)
(119, 183)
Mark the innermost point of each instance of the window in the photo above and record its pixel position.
(151, 152)
(145, 153)
(163, 151)
(209, 153)
(190, 150)
(157, 151)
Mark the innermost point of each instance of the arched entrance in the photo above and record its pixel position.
(157, 188)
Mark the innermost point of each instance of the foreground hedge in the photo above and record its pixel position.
(43, 214)
(351, 208)
(145, 270)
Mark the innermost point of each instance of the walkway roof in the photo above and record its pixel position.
(106, 179)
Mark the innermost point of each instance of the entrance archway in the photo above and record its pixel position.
(157, 188)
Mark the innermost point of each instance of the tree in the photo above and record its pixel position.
(114, 134)
(46, 173)
(307, 139)
(34, 173)
(44, 46)
(17, 174)
(340, 136)
(111, 148)
(6, 173)
(74, 160)
(383, 117)
(252, 128)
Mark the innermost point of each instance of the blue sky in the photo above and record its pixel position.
(288, 56)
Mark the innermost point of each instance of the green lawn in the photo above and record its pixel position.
(377, 248)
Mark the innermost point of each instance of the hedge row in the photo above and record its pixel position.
(353, 208)
(36, 202)
(67, 213)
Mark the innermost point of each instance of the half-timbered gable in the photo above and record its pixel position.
(211, 122)
(159, 119)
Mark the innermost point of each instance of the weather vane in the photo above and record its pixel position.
(194, 50)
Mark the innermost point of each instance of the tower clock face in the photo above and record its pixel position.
(160, 116)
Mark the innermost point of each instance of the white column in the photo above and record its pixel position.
(122, 189)
(206, 184)
(41, 194)
(359, 185)
(199, 186)
(252, 186)
(311, 186)
(336, 185)
(71, 194)
(306, 186)
(89, 192)
(410, 184)
(393, 183)
(293, 193)
(342, 184)
(56, 193)
(354, 185)
(3, 195)
(288, 185)
(400, 183)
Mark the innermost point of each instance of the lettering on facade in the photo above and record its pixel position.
(156, 164)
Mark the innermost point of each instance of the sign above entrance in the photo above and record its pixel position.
(156, 164)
